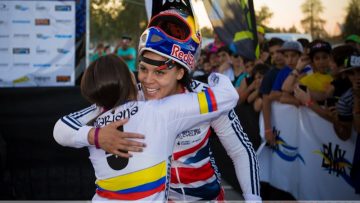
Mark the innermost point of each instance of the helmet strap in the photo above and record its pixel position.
(168, 64)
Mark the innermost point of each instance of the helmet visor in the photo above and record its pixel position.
(172, 25)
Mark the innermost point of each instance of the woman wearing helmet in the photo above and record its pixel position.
(167, 52)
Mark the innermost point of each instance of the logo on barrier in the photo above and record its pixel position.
(3, 22)
(334, 161)
(3, 7)
(21, 50)
(40, 7)
(42, 36)
(62, 8)
(3, 65)
(4, 50)
(21, 35)
(4, 36)
(61, 36)
(284, 150)
(42, 78)
(63, 78)
(22, 65)
(21, 21)
(62, 51)
(68, 65)
(42, 21)
(21, 8)
(63, 21)
(41, 51)
(42, 65)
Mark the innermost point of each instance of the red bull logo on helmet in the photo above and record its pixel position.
(186, 58)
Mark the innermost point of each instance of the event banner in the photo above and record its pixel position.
(309, 160)
(37, 43)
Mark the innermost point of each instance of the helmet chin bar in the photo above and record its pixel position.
(168, 64)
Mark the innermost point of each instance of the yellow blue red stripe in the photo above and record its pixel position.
(134, 186)
(207, 101)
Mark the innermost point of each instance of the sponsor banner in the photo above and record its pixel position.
(309, 160)
(37, 39)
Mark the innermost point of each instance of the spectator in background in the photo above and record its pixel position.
(107, 50)
(126, 52)
(292, 52)
(305, 43)
(278, 61)
(353, 40)
(215, 45)
(254, 89)
(99, 51)
(246, 82)
(239, 68)
(318, 83)
(225, 66)
(340, 85)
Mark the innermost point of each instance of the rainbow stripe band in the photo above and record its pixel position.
(207, 101)
(135, 185)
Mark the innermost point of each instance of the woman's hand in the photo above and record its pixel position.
(116, 142)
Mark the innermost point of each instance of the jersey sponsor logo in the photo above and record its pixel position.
(186, 58)
(126, 113)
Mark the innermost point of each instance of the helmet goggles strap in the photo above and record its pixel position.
(168, 64)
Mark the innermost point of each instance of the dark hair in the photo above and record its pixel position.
(260, 68)
(340, 53)
(107, 82)
(275, 42)
(225, 49)
(304, 42)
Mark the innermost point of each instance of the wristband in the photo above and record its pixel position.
(96, 138)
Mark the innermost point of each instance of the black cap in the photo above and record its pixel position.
(319, 46)
(126, 37)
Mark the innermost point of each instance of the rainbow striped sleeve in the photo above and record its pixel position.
(134, 186)
(207, 101)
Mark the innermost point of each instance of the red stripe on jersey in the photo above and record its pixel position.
(193, 149)
(213, 100)
(129, 196)
(190, 175)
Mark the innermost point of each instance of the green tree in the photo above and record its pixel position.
(352, 20)
(110, 19)
(313, 23)
(263, 15)
(207, 32)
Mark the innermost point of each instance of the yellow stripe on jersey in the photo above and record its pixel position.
(204, 106)
(134, 179)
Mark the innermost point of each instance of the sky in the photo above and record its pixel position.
(288, 13)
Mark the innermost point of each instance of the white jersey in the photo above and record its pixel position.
(145, 176)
